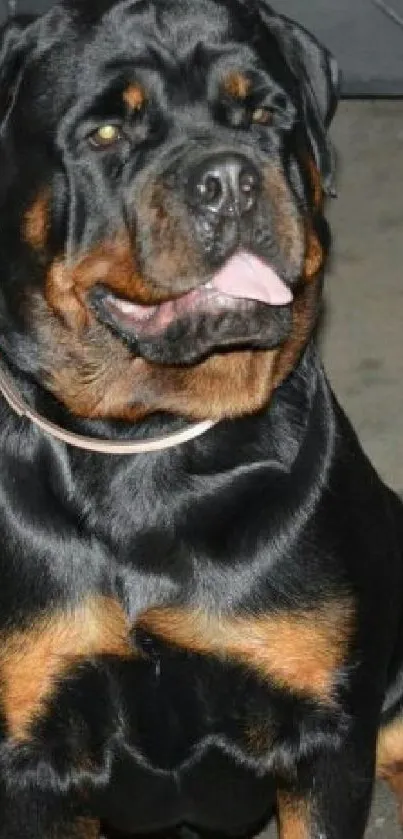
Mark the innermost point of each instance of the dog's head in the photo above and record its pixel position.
(162, 238)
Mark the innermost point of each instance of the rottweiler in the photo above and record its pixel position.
(201, 573)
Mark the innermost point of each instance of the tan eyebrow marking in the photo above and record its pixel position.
(237, 85)
(135, 97)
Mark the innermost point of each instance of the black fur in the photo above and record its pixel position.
(274, 512)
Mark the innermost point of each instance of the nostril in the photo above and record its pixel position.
(248, 182)
(209, 190)
(226, 185)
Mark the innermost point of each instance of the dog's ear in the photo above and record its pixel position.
(318, 76)
(13, 49)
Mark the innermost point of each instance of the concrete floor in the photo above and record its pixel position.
(362, 337)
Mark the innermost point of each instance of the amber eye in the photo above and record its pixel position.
(262, 116)
(105, 136)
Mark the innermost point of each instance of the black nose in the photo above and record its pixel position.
(225, 184)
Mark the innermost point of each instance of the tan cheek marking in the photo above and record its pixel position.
(237, 85)
(33, 661)
(316, 182)
(95, 375)
(300, 652)
(134, 96)
(289, 230)
(299, 244)
(80, 357)
(314, 256)
(36, 223)
(61, 295)
(314, 252)
(304, 314)
(293, 817)
(90, 371)
(222, 386)
(389, 759)
(288, 227)
(111, 263)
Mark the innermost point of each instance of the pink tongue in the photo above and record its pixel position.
(247, 277)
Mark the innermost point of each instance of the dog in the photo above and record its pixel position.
(201, 572)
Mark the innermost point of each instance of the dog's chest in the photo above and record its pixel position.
(228, 669)
(221, 676)
(210, 725)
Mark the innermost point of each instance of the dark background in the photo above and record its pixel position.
(365, 35)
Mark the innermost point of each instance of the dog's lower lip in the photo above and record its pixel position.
(141, 320)
(129, 310)
(243, 283)
(155, 319)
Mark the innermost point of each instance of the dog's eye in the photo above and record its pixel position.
(105, 136)
(262, 116)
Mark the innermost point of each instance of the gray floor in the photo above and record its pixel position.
(362, 337)
(365, 35)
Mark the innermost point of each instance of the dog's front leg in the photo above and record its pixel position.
(23, 820)
(48, 777)
(330, 798)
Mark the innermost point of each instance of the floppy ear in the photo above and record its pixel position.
(318, 75)
(13, 47)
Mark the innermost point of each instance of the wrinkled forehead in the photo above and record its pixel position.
(170, 36)
(176, 26)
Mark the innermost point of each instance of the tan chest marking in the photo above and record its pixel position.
(300, 651)
(390, 746)
(293, 817)
(35, 660)
(86, 829)
(389, 759)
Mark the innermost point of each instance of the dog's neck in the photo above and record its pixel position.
(27, 399)
(282, 450)
(20, 406)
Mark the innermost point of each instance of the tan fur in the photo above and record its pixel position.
(316, 183)
(314, 256)
(36, 223)
(293, 817)
(34, 660)
(304, 314)
(299, 651)
(94, 373)
(237, 85)
(86, 829)
(135, 97)
(389, 762)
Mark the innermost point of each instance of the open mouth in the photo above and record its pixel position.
(245, 302)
